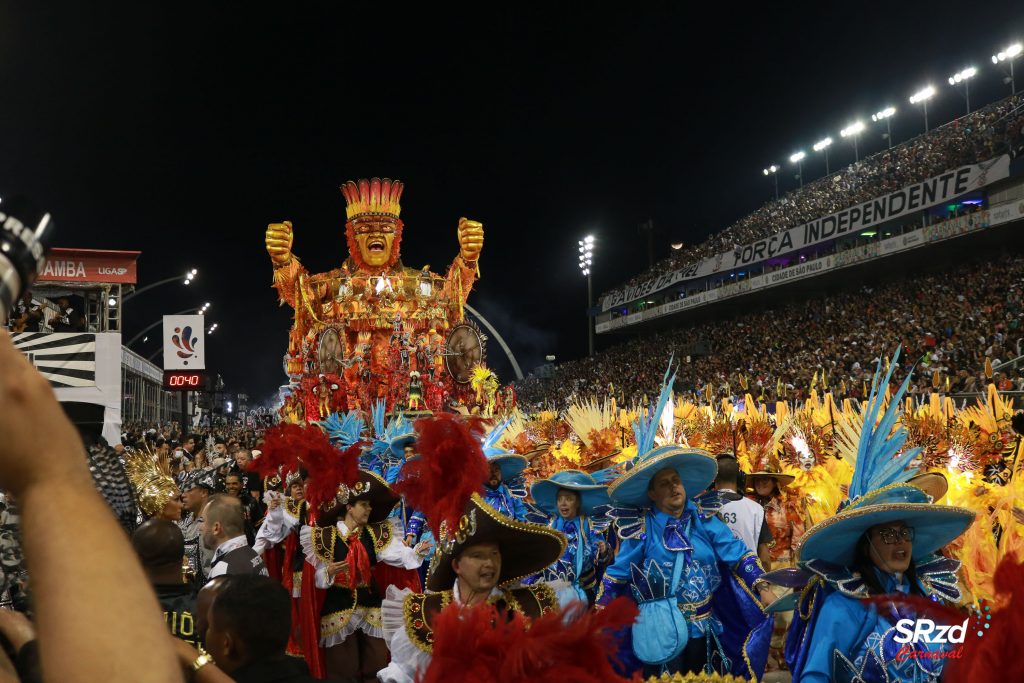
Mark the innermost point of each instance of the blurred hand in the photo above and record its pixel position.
(29, 410)
(279, 242)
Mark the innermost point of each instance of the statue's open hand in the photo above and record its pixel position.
(279, 242)
(471, 239)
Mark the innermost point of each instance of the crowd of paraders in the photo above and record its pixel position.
(701, 538)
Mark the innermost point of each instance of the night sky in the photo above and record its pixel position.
(183, 129)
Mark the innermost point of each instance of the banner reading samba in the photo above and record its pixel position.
(922, 195)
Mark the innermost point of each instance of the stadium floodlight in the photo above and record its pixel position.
(586, 261)
(822, 145)
(772, 171)
(1008, 55)
(922, 96)
(853, 131)
(798, 159)
(885, 115)
(963, 77)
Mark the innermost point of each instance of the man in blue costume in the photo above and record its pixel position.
(503, 490)
(697, 585)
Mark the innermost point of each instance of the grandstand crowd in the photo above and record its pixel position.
(949, 323)
(983, 134)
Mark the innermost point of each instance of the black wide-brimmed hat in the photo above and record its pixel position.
(525, 548)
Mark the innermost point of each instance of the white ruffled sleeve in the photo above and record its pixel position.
(396, 553)
(407, 660)
(275, 528)
(306, 540)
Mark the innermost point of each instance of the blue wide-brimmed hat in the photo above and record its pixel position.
(696, 468)
(935, 526)
(884, 488)
(592, 494)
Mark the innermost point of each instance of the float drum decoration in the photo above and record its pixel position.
(345, 319)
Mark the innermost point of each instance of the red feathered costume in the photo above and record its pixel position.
(478, 644)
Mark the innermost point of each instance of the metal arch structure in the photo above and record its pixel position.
(494, 333)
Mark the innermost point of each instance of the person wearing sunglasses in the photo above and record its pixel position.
(883, 542)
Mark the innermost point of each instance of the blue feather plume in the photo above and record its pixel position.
(646, 428)
(344, 430)
(490, 444)
(878, 464)
(377, 413)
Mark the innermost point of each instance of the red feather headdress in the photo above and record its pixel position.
(478, 644)
(451, 467)
(308, 446)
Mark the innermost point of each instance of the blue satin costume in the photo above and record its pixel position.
(715, 592)
(502, 500)
(576, 566)
(839, 638)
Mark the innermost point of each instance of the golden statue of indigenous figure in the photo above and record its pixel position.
(361, 325)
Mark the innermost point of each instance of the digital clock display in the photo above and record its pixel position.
(184, 380)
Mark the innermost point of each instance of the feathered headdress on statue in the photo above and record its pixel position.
(451, 467)
(879, 491)
(479, 644)
(373, 199)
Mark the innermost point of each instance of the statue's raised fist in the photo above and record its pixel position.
(279, 242)
(471, 239)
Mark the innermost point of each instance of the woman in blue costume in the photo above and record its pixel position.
(567, 502)
(883, 541)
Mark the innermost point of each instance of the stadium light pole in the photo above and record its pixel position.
(822, 146)
(189, 277)
(922, 96)
(798, 159)
(963, 77)
(853, 131)
(586, 261)
(886, 115)
(773, 171)
(1008, 55)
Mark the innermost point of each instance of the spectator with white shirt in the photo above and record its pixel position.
(743, 516)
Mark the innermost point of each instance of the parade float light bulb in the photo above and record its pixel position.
(111, 301)
(922, 95)
(884, 114)
(822, 144)
(677, 246)
(796, 157)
